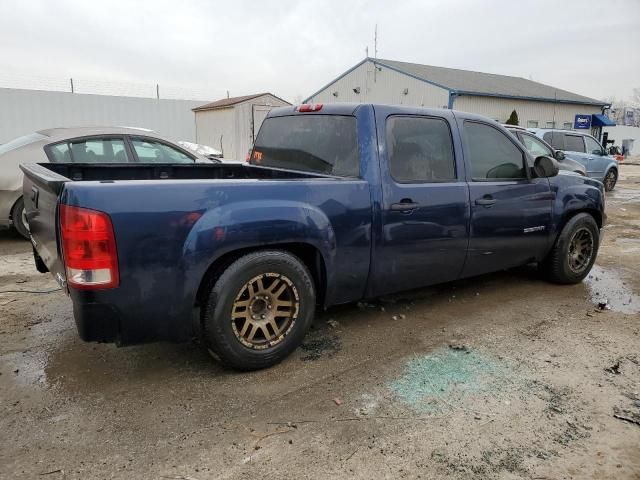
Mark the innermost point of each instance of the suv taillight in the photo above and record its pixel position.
(89, 248)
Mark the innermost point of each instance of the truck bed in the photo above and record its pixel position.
(172, 222)
(199, 171)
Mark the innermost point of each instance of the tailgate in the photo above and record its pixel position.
(41, 190)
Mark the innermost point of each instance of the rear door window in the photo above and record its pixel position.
(312, 143)
(573, 143)
(89, 150)
(555, 139)
(420, 150)
(492, 155)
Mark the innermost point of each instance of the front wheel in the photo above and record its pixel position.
(259, 310)
(575, 250)
(610, 180)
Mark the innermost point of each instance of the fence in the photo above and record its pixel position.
(107, 87)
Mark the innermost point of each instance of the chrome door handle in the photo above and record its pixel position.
(486, 202)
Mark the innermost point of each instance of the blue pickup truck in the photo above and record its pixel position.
(337, 203)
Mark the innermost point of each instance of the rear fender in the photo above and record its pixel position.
(251, 224)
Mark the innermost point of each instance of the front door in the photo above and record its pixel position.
(510, 212)
(425, 208)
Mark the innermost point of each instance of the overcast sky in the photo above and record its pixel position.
(292, 48)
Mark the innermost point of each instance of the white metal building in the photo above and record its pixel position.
(26, 111)
(231, 124)
(494, 96)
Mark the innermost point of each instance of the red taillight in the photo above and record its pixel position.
(89, 248)
(310, 107)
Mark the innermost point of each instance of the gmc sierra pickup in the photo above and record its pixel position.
(337, 203)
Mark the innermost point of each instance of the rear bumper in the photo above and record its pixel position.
(97, 322)
(106, 317)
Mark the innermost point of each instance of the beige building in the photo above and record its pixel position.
(494, 96)
(231, 124)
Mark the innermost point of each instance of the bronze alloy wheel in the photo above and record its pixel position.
(580, 250)
(265, 310)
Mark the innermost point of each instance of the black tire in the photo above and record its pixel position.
(559, 264)
(610, 180)
(221, 332)
(17, 216)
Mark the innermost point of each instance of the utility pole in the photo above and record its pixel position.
(158, 91)
(71, 80)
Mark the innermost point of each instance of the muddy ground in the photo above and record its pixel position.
(502, 376)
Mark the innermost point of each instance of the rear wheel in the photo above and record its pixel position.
(19, 218)
(575, 250)
(259, 310)
(610, 179)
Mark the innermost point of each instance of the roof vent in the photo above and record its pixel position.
(405, 91)
(335, 94)
(356, 90)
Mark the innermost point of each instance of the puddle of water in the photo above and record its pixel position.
(447, 376)
(607, 285)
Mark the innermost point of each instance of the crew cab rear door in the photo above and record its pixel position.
(510, 211)
(425, 207)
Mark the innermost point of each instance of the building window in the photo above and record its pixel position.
(567, 125)
(551, 124)
(532, 123)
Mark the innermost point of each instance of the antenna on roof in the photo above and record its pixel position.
(555, 102)
(375, 52)
(375, 42)
(366, 51)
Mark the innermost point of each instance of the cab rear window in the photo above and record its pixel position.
(310, 143)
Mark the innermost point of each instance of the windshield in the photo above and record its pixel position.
(20, 142)
(312, 143)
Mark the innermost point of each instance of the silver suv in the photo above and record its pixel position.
(536, 147)
(585, 149)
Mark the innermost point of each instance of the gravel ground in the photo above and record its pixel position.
(503, 376)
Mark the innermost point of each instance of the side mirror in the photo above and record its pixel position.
(546, 166)
(559, 155)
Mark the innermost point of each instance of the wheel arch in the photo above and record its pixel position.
(596, 214)
(307, 253)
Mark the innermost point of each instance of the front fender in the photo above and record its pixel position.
(250, 224)
(575, 194)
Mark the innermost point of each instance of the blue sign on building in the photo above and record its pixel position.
(582, 122)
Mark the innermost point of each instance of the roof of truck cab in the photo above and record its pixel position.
(350, 109)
